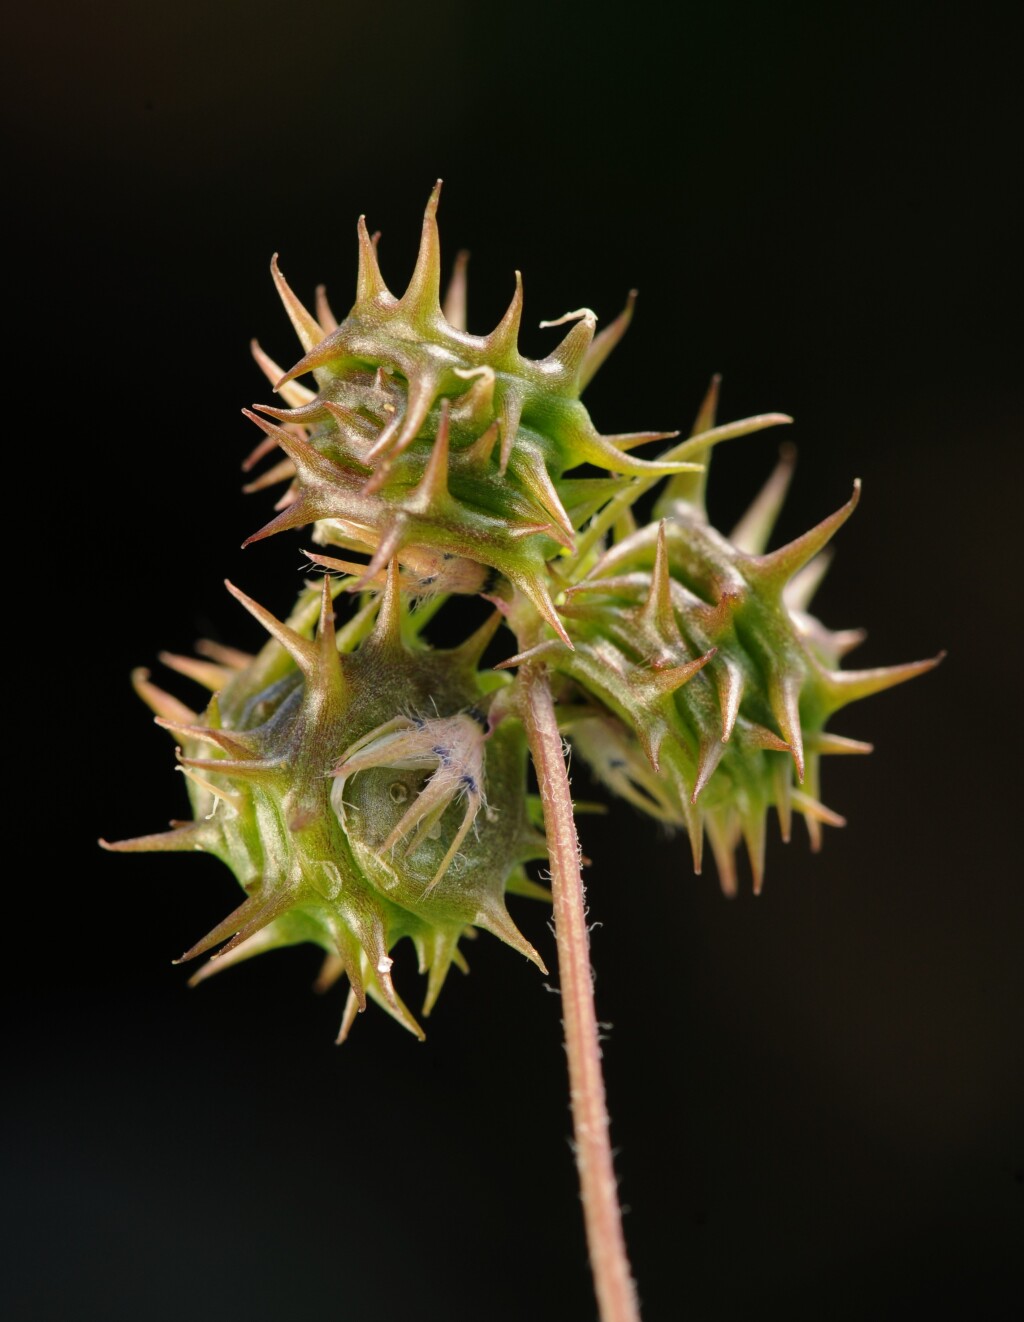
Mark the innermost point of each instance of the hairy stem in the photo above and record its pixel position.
(613, 1281)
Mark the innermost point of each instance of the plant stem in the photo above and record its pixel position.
(613, 1281)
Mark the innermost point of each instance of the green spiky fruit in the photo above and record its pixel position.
(445, 449)
(308, 785)
(364, 787)
(703, 647)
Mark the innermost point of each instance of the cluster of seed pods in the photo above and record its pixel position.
(365, 786)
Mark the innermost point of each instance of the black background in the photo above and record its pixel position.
(816, 1093)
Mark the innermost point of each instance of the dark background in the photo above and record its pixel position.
(817, 1094)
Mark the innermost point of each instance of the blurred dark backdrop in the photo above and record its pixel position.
(817, 1094)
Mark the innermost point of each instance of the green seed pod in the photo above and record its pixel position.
(702, 648)
(444, 448)
(352, 781)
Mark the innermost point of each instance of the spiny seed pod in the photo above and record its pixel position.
(365, 787)
(306, 777)
(702, 646)
(444, 448)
